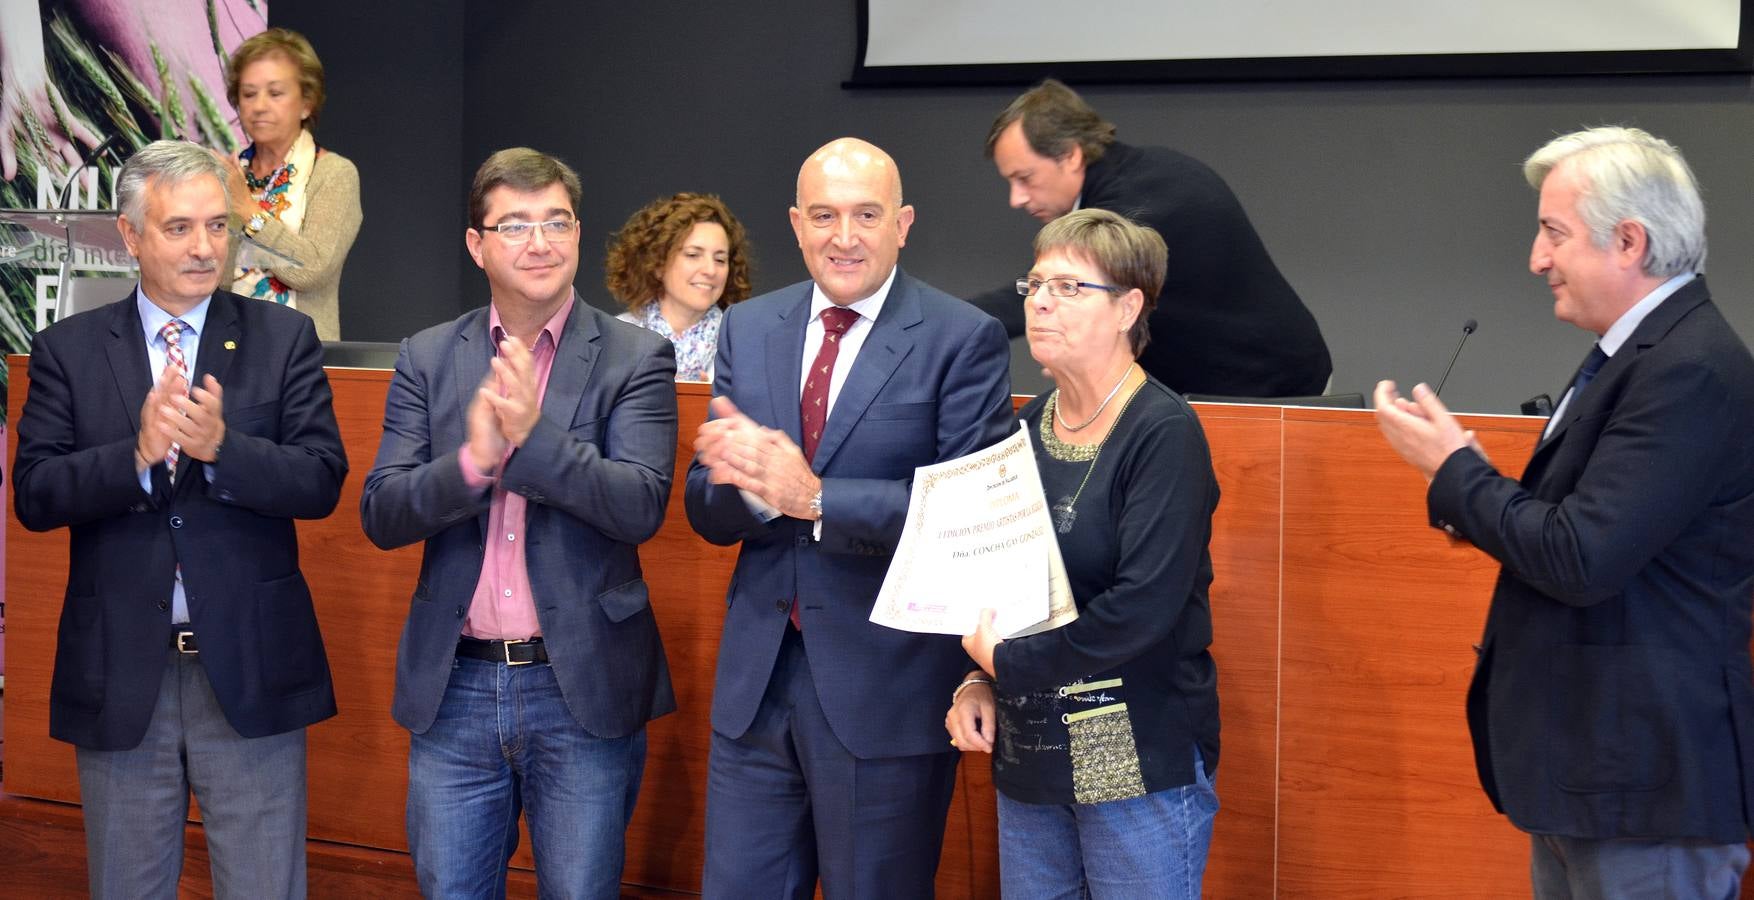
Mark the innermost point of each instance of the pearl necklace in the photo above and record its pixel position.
(1100, 407)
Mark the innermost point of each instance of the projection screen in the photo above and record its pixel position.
(988, 41)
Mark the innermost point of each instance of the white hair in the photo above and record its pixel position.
(1628, 174)
(167, 163)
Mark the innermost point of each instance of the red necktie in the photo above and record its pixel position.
(172, 332)
(814, 403)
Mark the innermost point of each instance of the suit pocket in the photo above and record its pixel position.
(893, 411)
(1608, 727)
(289, 645)
(624, 601)
(78, 679)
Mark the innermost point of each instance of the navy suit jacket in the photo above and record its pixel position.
(233, 535)
(596, 471)
(1613, 696)
(930, 383)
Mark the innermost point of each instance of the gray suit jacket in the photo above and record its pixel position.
(596, 471)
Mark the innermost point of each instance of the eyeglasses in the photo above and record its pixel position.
(520, 232)
(1060, 287)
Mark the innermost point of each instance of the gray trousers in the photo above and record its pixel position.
(251, 791)
(1565, 868)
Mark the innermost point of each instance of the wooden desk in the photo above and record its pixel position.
(1343, 633)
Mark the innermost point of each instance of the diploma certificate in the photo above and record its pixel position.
(978, 535)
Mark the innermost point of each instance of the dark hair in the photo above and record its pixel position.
(1055, 119)
(296, 49)
(1131, 257)
(523, 170)
(641, 250)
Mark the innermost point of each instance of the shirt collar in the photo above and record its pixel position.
(867, 308)
(1623, 327)
(555, 326)
(153, 317)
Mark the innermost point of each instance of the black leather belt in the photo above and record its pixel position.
(184, 642)
(512, 653)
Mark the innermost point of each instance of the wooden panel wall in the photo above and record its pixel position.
(1343, 633)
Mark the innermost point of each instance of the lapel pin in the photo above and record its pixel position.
(231, 345)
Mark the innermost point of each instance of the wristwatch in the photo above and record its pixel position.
(254, 225)
(816, 505)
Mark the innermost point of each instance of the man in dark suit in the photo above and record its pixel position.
(828, 755)
(1613, 707)
(188, 654)
(530, 444)
(1226, 321)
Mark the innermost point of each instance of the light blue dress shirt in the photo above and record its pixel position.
(152, 321)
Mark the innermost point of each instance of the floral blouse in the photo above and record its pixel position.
(695, 346)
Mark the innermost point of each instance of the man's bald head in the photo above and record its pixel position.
(851, 157)
(849, 218)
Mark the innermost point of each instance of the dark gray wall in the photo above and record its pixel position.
(1396, 208)
(395, 109)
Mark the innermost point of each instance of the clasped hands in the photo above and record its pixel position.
(173, 414)
(505, 409)
(763, 461)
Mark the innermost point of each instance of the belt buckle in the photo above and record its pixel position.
(506, 648)
(182, 636)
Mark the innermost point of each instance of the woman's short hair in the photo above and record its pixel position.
(296, 49)
(1129, 255)
(641, 250)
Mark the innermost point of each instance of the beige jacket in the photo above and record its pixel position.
(332, 217)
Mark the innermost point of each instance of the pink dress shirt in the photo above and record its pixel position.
(503, 607)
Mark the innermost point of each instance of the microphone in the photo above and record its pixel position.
(91, 156)
(1467, 329)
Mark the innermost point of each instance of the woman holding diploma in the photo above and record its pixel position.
(1104, 732)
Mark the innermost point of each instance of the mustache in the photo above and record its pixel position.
(199, 268)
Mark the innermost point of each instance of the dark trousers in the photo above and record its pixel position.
(788, 803)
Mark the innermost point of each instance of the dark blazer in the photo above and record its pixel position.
(1226, 321)
(596, 471)
(249, 607)
(1613, 696)
(930, 383)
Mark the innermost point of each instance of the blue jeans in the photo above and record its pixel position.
(1145, 847)
(504, 742)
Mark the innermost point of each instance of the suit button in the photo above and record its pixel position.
(782, 605)
(459, 612)
(164, 604)
(803, 540)
(176, 521)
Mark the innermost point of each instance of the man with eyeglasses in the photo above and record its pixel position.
(829, 756)
(1226, 322)
(530, 444)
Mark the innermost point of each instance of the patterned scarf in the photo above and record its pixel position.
(281, 196)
